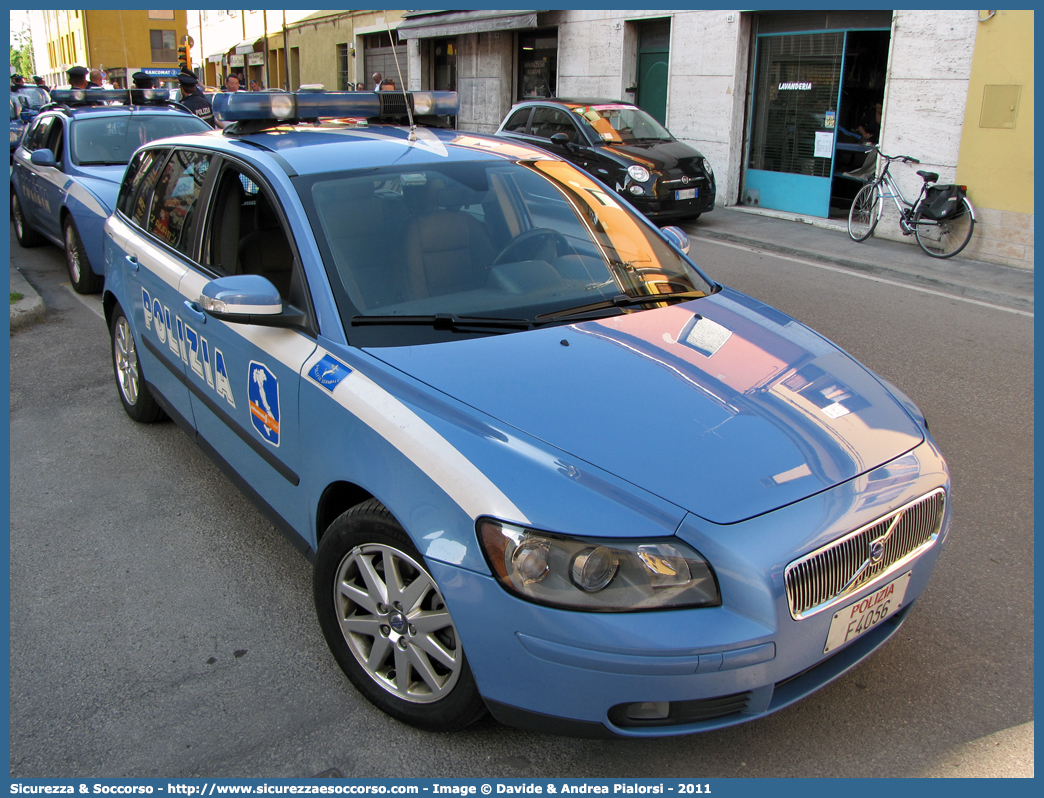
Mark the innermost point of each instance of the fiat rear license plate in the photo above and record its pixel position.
(685, 193)
(862, 616)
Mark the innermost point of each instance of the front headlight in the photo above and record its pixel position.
(597, 575)
(639, 173)
(707, 169)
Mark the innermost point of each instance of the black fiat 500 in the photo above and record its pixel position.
(624, 147)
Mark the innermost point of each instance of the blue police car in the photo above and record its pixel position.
(544, 464)
(68, 165)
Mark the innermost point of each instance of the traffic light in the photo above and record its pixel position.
(185, 58)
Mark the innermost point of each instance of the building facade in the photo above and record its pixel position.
(119, 43)
(776, 99)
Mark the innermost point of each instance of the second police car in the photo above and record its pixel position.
(544, 464)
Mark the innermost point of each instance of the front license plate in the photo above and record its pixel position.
(685, 193)
(865, 614)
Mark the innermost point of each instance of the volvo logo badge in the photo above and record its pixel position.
(876, 552)
(397, 622)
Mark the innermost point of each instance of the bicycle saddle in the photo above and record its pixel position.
(929, 177)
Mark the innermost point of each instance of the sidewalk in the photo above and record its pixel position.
(28, 309)
(827, 241)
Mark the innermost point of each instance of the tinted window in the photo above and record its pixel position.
(175, 196)
(548, 121)
(113, 139)
(517, 122)
(136, 191)
(38, 133)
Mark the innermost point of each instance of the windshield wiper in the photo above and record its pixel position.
(620, 301)
(445, 321)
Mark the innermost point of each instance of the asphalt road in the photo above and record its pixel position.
(160, 627)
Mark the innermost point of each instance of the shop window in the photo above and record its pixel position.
(537, 64)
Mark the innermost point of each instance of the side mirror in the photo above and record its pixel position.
(248, 299)
(560, 140)
(676, 236)
(43, 157)
(230, 298)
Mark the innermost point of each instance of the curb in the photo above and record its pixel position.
(902, 275)
(30, 308)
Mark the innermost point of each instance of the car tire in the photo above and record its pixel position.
(395, 642)
(81, 275)
(134, 393)
(27, 236)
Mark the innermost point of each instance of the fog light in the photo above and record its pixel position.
(531, 560)
(636, 190)
(649, 710)
(595, 568)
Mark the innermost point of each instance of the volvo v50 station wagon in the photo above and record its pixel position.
(545, 465)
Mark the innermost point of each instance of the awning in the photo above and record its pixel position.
(215, 58)
(425, 24)
(247, 45)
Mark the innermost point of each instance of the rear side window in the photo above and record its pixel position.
(138, 182)
(175, 197)
(517, 121)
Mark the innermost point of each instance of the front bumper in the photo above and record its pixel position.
(666, 208)
(575, 673)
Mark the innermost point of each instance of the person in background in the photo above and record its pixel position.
(870, 131)
(95, 80)
(193, 99)
(17, 82)
(254, 86)
(77, 77)
(232, 83)
(388, 85)
(143, 80)
(376, 78)
(40, 82)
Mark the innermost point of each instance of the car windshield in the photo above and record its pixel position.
(113, 139)
(615, 123)
(34, 97)
(532, 242)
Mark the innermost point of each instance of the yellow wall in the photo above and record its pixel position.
(997, 164)
(317, 40)
(121, 38)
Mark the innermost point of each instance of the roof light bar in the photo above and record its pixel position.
(76, 96)
(293, 106)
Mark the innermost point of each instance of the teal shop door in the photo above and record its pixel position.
(654, 40)
(797, 81)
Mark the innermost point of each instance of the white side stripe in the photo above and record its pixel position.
(423, 446)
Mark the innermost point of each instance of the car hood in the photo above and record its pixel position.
(722, 406)
(103, 182)
(659, 156)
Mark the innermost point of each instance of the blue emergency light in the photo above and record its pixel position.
(292, 107)
(137, 96)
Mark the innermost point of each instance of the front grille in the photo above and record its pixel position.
(826, 576)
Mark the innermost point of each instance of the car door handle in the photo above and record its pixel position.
(132, 262)
(195, 311)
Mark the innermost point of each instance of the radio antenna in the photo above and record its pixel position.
(405, 94)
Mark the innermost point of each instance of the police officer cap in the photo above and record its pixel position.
(77, 72)
(142, 77)
(187, 78)
(17, 77)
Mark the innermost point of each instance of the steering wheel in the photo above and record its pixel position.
(530, 243)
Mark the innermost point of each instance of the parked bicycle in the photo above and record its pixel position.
(942, 218)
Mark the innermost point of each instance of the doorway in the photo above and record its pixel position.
(810, 92)
(654, 42)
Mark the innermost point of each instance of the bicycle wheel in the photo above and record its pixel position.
(946, 238)
(865, 212)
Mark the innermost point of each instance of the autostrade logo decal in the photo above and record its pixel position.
(328, 373)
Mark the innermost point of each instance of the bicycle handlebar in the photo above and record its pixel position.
(903, 158)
